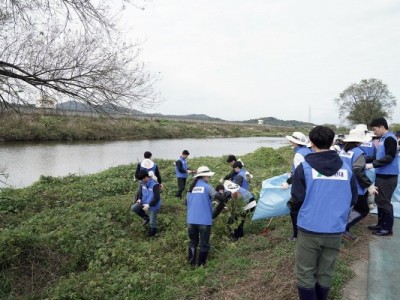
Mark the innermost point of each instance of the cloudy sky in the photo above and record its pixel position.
(238, 60)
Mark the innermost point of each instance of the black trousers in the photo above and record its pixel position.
(361, 209)
(181, 187)
(386, 186)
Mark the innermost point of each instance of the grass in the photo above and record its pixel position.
(75, 238)
(60, 128)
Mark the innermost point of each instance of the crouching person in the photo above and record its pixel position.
(199, 214)
(240, 211)
(147, 201)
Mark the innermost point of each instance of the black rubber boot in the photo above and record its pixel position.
(192, 256)
(322, 292)
(307, 293)
(203, 258)
(152, 232)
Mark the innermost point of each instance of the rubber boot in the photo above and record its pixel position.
(152, 232)
(322, 292)
(192, 256)
(307, 293)
(203, 258)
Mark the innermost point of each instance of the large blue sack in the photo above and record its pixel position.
(273, 199)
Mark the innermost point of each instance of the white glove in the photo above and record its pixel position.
(249, 175)
(369, 166)
(146, 207)
(221, 180)
(372, 190)
(284, 186)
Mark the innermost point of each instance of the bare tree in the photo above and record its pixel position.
(362, 102)
(69, 50)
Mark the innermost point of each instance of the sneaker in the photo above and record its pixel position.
(292, 239)
(349, 236)
(375, 227)
(145, 221)
(383, 232)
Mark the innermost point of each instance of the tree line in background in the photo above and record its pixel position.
(362, 102)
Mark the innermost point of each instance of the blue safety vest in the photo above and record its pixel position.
(393, 167)
(184, 166)
(148, 195)
(303, 150)
(150, 169)
(245, 194)
(368, 148)
(349, 158)
(199, 204)
(245, 183)
(327, 202)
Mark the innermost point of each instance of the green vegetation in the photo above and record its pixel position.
(76, 238)
(57, 128)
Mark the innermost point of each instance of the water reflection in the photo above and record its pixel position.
(25, 162)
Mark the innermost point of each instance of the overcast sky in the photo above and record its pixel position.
(240, 60)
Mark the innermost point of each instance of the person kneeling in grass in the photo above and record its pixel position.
(147, 201)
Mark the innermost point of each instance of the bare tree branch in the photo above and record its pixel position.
(69, 50)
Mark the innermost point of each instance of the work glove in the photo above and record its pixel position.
(369, 166)
(284, 186)
(372, 190)
(146, 207)
(221, 180)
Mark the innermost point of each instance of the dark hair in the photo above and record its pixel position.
(147, 154)
(237, 164)
(322, 137)
(185, 152)
(350, 145)
(142, 174)
(231, 158)
(191, 187)
(219, 187)
(379, 122)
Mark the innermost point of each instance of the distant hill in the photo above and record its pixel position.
(78, 106)
(277, 122)
(107, 108)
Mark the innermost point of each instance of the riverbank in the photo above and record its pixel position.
(37, 127)
(75, 238)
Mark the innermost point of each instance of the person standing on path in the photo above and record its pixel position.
(354, 156)
(182, 171)
(324, 188)
(386, 167)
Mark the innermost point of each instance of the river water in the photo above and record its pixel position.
(25, 162)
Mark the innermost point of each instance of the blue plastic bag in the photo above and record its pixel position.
(273, 199)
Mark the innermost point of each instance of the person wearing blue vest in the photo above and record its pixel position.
(240, 178)
(368, 146)
(147, 201)
(150, 166)
(299, 142)
(353, 155)
(323, 188)
(386, 167)
(182, 171)
(200, 214)
(249, 204)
